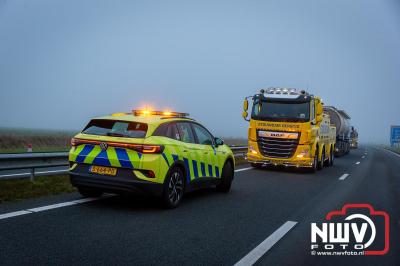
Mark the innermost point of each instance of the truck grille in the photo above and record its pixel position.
(277, 147)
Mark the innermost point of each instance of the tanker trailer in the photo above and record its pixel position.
(341, 120)
(353, 138)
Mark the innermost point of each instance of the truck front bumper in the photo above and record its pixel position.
(289, 162)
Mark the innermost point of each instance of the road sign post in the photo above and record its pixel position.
(394, 136)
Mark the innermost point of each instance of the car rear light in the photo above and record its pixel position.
(75, 142)
(152, 148)
(142, 148)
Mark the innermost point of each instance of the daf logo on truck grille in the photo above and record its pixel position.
(278, 135)
(103, 146)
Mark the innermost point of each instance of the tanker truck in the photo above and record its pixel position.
(288, 128)
(353, 138)
(341, 120)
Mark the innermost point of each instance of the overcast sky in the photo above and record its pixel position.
(63, 62)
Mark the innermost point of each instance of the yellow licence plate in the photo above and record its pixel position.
(103, 170)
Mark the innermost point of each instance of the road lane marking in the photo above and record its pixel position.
(243, 169)
(13, 214)
(363, 156)
(392, 152)
(49, 207)
(343, 177)
(266, 245)
(358, 162)
(62, 204)
(65, 204)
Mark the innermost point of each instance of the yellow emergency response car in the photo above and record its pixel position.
(161, 153)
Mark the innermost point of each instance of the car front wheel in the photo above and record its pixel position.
(226, 178)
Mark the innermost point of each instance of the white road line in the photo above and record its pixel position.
(62, 204)
(49, 207)
(358, 162)
(362, 157)
(243, 169)
(343, 177)
(392, 152)
(266, 245)
(13, 214)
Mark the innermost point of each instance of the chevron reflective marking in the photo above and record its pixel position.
(102, 159)
(123, 158)
(195, 170)
(85, 151)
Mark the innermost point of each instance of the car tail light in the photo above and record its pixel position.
(152, 148)
(142, 148)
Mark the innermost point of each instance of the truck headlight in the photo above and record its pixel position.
(302, 154)
(252, 150)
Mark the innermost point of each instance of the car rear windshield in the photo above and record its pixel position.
(103, 127)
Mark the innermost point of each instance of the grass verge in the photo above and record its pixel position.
(13, 190)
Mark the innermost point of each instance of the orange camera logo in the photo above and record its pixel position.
(335, 236)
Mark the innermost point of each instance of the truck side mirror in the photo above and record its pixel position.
(244, 115)
(320, 110)
(245, 105)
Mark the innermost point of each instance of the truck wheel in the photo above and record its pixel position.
(320, 164)
(314, 166)
(173, 189)
(90, 193)
(332, 157)
(226, 178)
(327, 161)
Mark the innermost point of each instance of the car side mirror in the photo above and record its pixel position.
(218, 142)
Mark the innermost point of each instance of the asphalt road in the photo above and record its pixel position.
(209, 228)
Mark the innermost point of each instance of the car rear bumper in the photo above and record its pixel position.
(124, 182)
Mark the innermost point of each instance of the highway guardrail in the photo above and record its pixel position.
(35, 161)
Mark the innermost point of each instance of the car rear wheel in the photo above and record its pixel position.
(90, 193)
(173, 188)
(226, 178)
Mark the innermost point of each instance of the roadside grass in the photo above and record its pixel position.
(18, 189)
(17, 140)
(394, 149)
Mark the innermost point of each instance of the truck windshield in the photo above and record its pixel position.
(281, 111)
(115, 128)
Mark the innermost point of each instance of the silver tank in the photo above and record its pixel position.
(340, 119)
